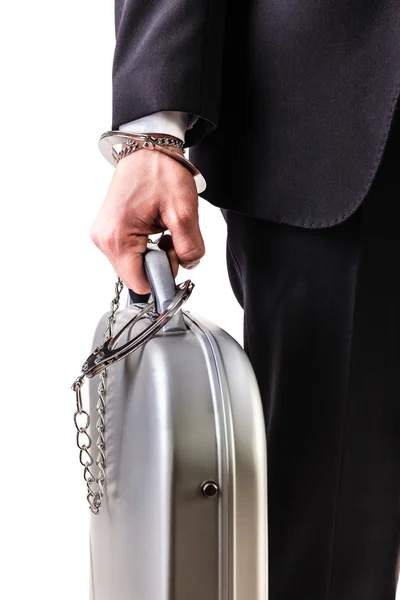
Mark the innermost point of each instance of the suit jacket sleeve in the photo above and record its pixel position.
(168, 57)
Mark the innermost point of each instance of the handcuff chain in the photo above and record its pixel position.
(98, 361)
(83, 439)
(95, 485)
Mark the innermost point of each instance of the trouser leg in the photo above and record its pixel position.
(322, 330)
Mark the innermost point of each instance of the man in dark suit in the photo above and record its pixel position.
(290, 112)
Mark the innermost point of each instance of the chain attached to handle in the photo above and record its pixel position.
(102, 357)
(95, 485)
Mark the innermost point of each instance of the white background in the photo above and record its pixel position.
(56, 61)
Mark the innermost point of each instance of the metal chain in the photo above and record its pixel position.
(82, 418)
(83, 439)
(133, 146)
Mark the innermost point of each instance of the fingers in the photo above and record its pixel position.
(186, 235)
(131, 264)
(125, 254)
(149, 194)
(129, 267)
(166, 244)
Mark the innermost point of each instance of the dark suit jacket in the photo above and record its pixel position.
(294, 97)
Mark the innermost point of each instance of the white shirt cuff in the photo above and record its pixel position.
(169, 122)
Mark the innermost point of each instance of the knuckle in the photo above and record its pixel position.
(107, 240)
(183, 217)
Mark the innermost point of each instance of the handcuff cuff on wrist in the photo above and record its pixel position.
(131, 142)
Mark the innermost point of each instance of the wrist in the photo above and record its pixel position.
(110, 140)
(170, 143)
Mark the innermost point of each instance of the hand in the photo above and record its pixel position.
(149, 193)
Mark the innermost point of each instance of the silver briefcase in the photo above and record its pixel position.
(182, 455)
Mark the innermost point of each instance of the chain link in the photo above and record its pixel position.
(95, 485)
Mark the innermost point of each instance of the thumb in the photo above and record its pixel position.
(187, 239)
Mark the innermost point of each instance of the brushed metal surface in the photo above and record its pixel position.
(182, 410)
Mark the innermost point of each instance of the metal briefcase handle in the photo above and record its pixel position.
(160, 276)
(162, 284)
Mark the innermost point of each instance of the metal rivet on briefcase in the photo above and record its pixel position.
(209, 489)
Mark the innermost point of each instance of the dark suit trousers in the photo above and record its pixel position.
(322, 330)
